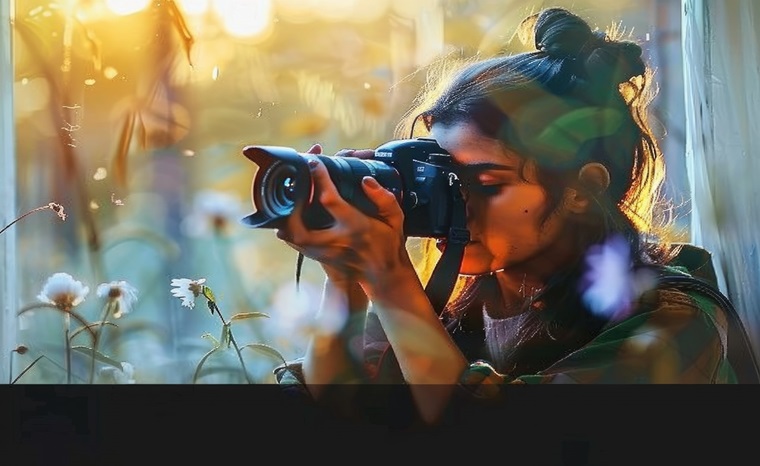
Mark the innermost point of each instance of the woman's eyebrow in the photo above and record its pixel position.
(484, 166)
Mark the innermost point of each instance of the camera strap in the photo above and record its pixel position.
(446, 270)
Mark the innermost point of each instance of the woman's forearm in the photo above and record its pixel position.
(423, 347)
(429, 359)
(328, 359)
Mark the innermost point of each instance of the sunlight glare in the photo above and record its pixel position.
(126, 7)
(110, 72)
(193, 7)
(244, 18)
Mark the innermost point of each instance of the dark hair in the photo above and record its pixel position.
(580, 97)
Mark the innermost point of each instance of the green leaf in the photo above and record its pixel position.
(98, 356)
(201, 362)
(211, 337)
(86, 327)
(247, 315)
(266, 350)
(230, 370)
(225, 340)
(208, 293)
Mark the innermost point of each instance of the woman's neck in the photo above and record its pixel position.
(520, 283)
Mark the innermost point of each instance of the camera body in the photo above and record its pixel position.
(417, 171)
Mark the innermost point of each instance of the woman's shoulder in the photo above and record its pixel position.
(678, 302)
(672, 335)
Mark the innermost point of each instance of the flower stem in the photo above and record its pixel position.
(36, 360)
(232, 340)
(66, 330)
(96, 341)
(44, 207)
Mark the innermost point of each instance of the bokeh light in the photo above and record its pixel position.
(244, 18)
(193, 7)
(126, 7)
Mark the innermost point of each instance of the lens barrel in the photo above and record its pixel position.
(283, 178)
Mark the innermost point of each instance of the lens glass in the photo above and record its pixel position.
(278, 189)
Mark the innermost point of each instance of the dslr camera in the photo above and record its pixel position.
(417, 171)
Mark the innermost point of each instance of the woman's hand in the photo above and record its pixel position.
(357, 247)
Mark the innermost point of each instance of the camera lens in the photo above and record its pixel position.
(278, 189)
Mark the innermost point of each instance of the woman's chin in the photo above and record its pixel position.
(475, 260)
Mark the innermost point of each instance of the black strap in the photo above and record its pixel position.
(740, 353)
(299, 267)
(446, 270)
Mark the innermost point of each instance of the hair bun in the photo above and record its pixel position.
(561, 34)
(614, 62)
(589, 56)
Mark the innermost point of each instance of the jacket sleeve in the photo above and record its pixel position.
(681, 339)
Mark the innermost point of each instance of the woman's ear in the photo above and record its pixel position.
(593, 178)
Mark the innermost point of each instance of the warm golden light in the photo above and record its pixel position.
(244, 18)
(126, 7)
(31, 95)
(302, 11)
(110, 72)
(337, 10)
(100, 174)
(193, 7)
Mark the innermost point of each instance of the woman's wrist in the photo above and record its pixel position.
(392, 284)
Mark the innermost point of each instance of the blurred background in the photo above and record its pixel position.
(132, 114)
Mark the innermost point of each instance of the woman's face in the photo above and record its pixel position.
(506, 212)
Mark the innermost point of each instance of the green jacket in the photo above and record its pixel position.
(677, 336)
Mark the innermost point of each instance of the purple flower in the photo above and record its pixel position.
(610, 285)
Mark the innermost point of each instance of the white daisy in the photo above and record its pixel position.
(63, 291)
(125, 376)
(121, 294)
(213, 213)
(187, 290)
(610, 284)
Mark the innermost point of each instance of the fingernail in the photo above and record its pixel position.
(371, 182)
(313, 163)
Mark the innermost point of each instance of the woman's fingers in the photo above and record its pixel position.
(388, 207)
(325, 191)
(358, 153)
(315, 149)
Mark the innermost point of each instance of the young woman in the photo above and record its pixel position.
(558, 283)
